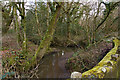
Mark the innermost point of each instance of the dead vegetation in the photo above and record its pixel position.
(86, 59)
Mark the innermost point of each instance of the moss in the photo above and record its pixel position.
(45, 43)
(106, 66)
(106, 63)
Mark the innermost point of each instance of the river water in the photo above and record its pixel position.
(53, 65)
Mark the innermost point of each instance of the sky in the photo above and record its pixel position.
(63, 0)
(76, 0)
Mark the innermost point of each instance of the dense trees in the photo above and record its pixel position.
(45, 43)
(7, 15)
(65, 23)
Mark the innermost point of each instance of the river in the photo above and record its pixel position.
(53, 65)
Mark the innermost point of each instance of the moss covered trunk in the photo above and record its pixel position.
(23, 24)
(108, 67)
(44, 45)
(17, 29)
(37, 21)
(48, 36)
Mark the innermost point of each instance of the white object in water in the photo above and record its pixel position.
(76, 75)
(63, 53)
(53, 54)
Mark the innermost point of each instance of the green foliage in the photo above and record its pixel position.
(75, 54)
(11, 31)
(31, 25)
(75, 19)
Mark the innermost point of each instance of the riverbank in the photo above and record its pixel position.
(57, 59)
(84, 60)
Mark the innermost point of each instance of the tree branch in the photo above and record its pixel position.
(110, 9)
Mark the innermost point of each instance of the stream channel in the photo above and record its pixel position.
(53, 65)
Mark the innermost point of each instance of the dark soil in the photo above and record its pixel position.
(87, 59)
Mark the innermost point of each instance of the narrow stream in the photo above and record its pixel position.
(53, 65)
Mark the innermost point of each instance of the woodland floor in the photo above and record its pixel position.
(81, 61)
(84, 60)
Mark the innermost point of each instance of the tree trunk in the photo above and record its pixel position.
(7, 19)
(48, 36)
(37, 21)
(23, 23)
(44, 45)
(68, 27)
(17, 29)
(119, 21)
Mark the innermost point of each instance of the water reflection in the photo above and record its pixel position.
(53, 66)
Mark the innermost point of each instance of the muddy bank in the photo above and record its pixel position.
(87, 59)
